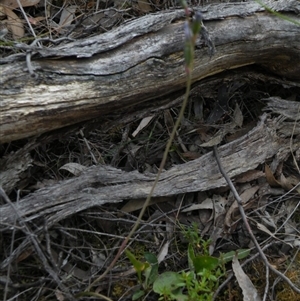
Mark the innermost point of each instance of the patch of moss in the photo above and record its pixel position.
(285, 292)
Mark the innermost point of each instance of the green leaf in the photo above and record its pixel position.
(227, 257)
(191, 256)
(167, 283)
(151, 258)
(202, 262)
(178, 296)
(139, 266)
(151, 273)
(137, 295)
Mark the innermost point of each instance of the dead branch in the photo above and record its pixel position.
(138, 62)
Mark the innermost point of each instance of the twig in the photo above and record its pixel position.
(37, 41)
(267, 283)
(11, 251)
(288, 267)
(162, 164)
(190, 41)
(242, 212)
(35, 243)
(19, 286)
(91, 294)
(25, 17)
(88, 146)
(291, 141)
(230, 276)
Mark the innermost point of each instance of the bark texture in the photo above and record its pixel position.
(103, 184)
(138, 63)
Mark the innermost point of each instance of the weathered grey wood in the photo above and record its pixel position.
(139, 62)
(13, 165)
(103, 184)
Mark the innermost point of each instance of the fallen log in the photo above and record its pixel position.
(104, 184)
(139, 62)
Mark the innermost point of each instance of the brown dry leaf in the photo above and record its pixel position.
(238, 116)
(291, 228)
(42, 184)
(198, 108)
(293, 180)
(241, 132)
(202, 132)
(137, 204)
(206, 204)
(249, 291)
(110, 18)
(248, 193)
(285, 182)
(3, 32)
(267, 219)
(59, 295)
(163, 252)
(191, 155)
(263, 228)
(228, 221)
(270, 177)
(37, 20)
(217, 232)
(67, 15)
(245, 197)
(248, 176)
(25, 254)
(215, 140)
(74, 168)
(144, 122)
(169, 122)
(219, 205)
(2, 12)
(12, 4)
(144, 6)
(228, 128)
(14, 24)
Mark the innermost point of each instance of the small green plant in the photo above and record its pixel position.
(191, 234)
(197, 283)
(147, 272)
